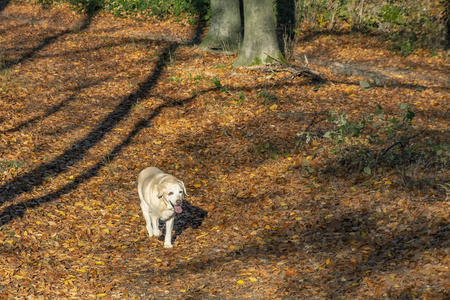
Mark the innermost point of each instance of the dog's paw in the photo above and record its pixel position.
(168, 245)
(150, 232)
(157, 233)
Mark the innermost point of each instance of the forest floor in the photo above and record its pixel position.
(276, 208)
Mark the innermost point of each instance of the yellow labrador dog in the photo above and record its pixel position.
(161, 197)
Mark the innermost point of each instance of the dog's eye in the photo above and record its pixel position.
(180, 192)
(170, 193)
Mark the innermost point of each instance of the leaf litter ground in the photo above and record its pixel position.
(89, 101)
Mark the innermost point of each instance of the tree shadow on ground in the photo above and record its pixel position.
(3, 4)
(350, 238)
(36, 177)
(85, 23)
(55, 108)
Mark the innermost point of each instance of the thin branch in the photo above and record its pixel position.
(400, 143)
(274, 58)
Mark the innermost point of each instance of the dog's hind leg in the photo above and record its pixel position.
(146, 212)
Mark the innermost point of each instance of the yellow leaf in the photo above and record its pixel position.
(157, 142)
(253, 279)
(240, 282)
(363, 234)
(283, 204)
(18, 276)
(101, 295)
(353, 189)
(388, 182)
(273, 107)
(298, 218)
(106, 230)
(197, 185)
(99, 263)
(81, 271)
(158, 260)
(328, 261)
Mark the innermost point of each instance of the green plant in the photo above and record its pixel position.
(223, 67)
(85, 6)
(318, 87)
(45, 3)
(218, 84)
(367, 85)
(171, 57)
(308, 168)
(160, 8)
(241, 98)
(309, 136)
(175, 79)
(268, 150)
(5, 78)
(392, 14)
(408, 24)
(11, 164)
(391, 137)
(268, 98)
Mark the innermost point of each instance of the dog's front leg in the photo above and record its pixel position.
(168, 237)
(155, 224)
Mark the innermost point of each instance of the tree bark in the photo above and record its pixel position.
(224, 33)
(260, 43)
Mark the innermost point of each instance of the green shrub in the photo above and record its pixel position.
(379, 138)
(409, 24)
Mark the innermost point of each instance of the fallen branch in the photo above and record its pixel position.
(295, 71)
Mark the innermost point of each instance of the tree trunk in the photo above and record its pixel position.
(260, 43)
(224, 33)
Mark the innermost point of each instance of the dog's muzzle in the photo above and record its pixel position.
(177, 207)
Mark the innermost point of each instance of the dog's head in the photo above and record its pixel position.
(173, 190)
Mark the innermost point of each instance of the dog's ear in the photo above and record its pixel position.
(161, 190)
(184, 189)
